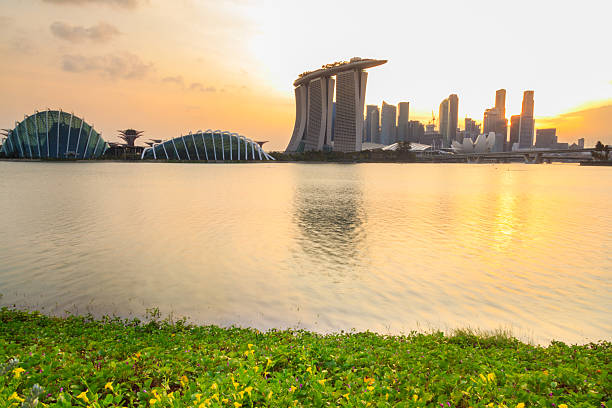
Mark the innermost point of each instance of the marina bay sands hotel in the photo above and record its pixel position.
(316, 119)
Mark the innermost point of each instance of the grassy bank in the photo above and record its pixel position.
(76, 361)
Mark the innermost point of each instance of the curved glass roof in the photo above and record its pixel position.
(54, 134)
(208, 145)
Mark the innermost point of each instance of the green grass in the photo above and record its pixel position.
(78, 361)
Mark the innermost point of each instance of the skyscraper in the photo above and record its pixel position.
(515, 122)
(372, 124)
(527, 122)
(443, 122)
(495, 118)
(402, 121)
(388, 127)
(500, 102)
(449, 118)
(453, 117)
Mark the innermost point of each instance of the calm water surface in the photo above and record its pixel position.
(383, 247)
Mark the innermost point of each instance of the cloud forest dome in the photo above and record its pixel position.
(209, 145)
(53, 134)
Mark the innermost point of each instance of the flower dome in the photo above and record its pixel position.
(53, 134)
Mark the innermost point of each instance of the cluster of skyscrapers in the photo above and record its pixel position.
(386, 126)
(324, 124)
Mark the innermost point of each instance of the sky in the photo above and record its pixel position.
(170, 67)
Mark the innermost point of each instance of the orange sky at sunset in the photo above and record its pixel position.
(170, 67)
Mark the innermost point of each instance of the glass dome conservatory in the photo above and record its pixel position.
(209, 145)
(53, 134)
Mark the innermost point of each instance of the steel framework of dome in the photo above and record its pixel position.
(208, 145)
(53, 134)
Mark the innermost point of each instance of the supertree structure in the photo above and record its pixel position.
(130, 135)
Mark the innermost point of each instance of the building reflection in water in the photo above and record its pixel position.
(329, 221)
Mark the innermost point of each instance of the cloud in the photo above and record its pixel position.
(174, 80)
(128, 4)
(591, 123)
(196, 86)
(100, 32)
(123, 65)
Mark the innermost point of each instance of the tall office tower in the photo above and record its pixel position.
(515, 122)
(416, 130)
(495, 118)
(489, 123)
(501, 127)
(388, 127)
(472, 130)
(527, 121)
(546, 138)
(368, 120)
(581, 143)
(402, 121)
(374, 125)
(443, 121)
(500, 102)
(318, 120)
(453, 117)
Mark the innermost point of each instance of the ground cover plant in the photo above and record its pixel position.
(79, 361)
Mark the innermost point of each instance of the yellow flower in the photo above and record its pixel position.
(109, 386)
(16, 397)
(215, 397)
(270, 395)
(268, 363)
(250, 346)
(152, 401)
(83, 396)
(197, 397)
(415, 397)
(370, 388)
(562, 405)
(237, 404)
(491, 377)
(256, 368)
(309, 369)
(224, 400)
(483, 378)
(137, 355)
(248, 390)
(322, 382)
(522, 405)
(18, 372)
(184, 380)
(214, 386)
(171, 395)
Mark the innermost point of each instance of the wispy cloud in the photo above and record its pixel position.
(124, 65)
(196, 86)
(128, 4)
(174, 80)
(100, 32)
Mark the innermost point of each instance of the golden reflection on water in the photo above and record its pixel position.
(328, 247)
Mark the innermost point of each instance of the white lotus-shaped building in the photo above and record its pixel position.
(483, 144)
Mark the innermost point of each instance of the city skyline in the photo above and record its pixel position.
(231, 65)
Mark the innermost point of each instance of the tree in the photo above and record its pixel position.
(601, 152)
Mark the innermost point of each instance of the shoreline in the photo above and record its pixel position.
(82, 361)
